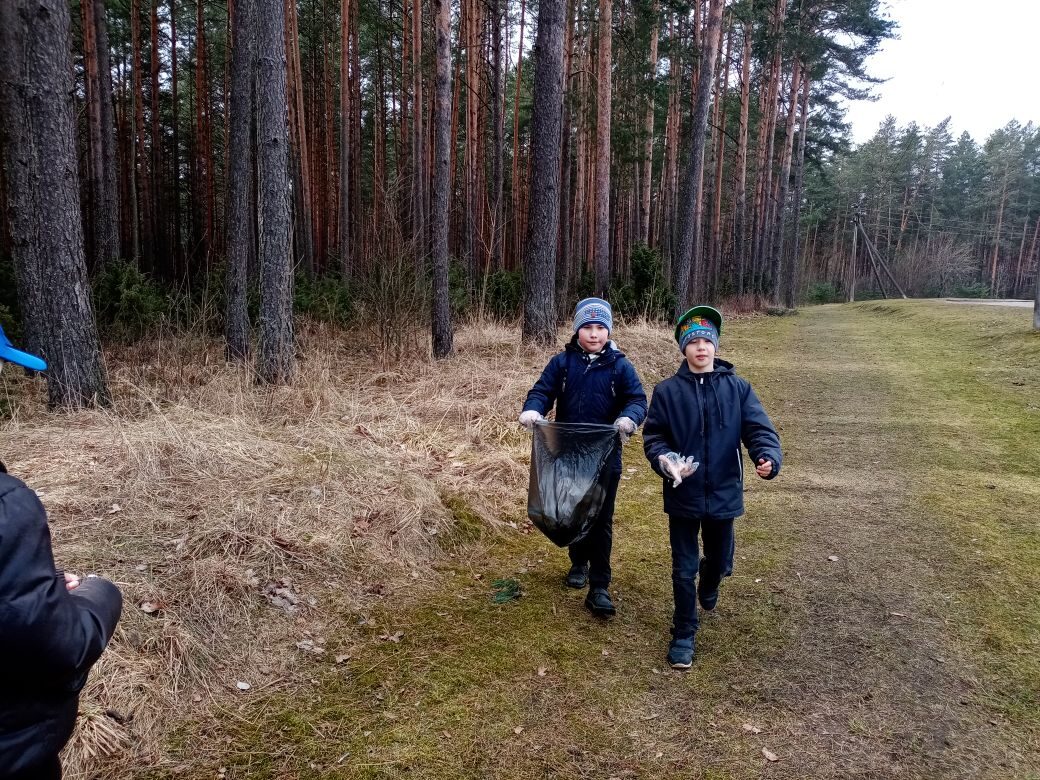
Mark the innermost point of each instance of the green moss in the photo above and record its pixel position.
(467, 526)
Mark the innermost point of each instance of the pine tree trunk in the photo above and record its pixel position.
(514, 181)
(240, 181)
(648, 129)
(204, 149)
(996, 240)
(669, 181)
(777, 243)
(42, 179)
(175, 180)
(563, 258)
(299, 154)
(740, 196)
(158, 228)
(346, 203)
(419, 173)
(601, 259)
(689, 258)
(142, 175)
(498, 122)
(93, 116)
(546, 137)
(715, 242)
(439, 216)
(276, 358)
(795, 279)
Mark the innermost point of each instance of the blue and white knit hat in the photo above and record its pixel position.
(593, 310)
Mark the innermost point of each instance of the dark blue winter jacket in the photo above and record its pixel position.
(49, 637)
(708, 416)
(589, 391)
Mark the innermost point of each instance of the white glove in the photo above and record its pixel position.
(529, 418)
(677, 467)
(626, 427)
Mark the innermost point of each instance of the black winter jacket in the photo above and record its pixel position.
(708, 416)
(589, 391)
(49, 637)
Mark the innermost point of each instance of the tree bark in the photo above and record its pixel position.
(141, 167)
(498, 128)
(514, 181)
(601, 260)
(276, 358)
(419, 172)
(688, 258)
(345, 147)
(42, 177)
(714, 263)
(178, 254)
(777, 244)
(648, 129)
(546, 136)
(794, 280)
(240, 181)
(443, 336)
(740, 196)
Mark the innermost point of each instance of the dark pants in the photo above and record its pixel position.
(48, 770)
(686, 560)
(594, 549)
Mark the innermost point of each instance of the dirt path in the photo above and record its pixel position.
(854, 639)
(1014, 303)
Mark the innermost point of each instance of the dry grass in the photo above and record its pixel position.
(205, 497)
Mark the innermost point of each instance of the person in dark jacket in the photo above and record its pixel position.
(53, 627)
(591, 381)
(697, 421)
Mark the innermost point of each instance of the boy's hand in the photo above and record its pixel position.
(764, 468)
(529, 418)
(677, 467)
(626, 427)
(71, 581)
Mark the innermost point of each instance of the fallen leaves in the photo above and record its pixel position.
(832, 558)
(770, 755)
(396, 637)
(752, 729)
(242, 685)
(280, 594)
(542, 671)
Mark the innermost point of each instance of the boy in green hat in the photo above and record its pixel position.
(694, 429)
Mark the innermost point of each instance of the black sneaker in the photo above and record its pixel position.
(598, 603)
(577, 577)
(680, 653)
(707, 600)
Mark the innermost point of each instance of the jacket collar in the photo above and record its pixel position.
(608, 354)
(722, 368)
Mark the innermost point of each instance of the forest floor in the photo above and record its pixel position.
(883, 618)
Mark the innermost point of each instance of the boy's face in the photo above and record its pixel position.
(700, 354)
(593, 337)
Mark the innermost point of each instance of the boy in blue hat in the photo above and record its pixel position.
(591, 381)
(52, 628)
(697, 421)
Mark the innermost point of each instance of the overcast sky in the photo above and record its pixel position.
(977, 62)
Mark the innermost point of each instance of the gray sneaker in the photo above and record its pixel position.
(680, 653)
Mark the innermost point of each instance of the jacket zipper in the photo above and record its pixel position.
(704, 437)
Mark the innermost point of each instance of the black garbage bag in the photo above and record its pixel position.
(567, 481)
